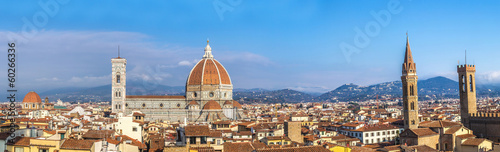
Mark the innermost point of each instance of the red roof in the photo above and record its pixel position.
(208, 71)
(211, 105)
(32, 97)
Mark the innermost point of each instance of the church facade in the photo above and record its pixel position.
(208, 97)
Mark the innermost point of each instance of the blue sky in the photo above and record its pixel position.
(263, 44)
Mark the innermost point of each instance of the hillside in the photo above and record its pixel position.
(430, 89)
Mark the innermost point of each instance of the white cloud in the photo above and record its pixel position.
(47, 79)
(188, 63)
(55, 59)
(247, 57)
(488, 77)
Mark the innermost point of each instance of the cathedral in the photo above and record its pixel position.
(208, 97)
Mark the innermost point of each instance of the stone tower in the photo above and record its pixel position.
(118, 84)
(466, 78)
(410, 90)
(293, 131)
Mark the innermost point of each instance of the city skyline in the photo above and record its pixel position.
(296, 46)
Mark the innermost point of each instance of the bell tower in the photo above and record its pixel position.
(118, 84)
(409, 79)
(466, 80)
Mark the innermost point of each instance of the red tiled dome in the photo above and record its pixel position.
(208, 71)
(211, 105)
(237, 104)
(32, 97)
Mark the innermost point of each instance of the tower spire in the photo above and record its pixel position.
(408, 56)
(409, 80)
(208, 51)
(408, 65)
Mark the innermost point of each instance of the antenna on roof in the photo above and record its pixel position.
(118, 50)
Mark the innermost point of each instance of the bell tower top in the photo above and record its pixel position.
(409, 67)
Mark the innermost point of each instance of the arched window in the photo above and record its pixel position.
(119, 94)
(117, 78)
(463, 83)
(471, 86)
(412, 105)
(411, 91)
(116, 94)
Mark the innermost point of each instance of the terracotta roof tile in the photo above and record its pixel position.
(77, 144)
(211, 105)
(208, 71)
(237, 104)
(438, 124)
(243, 146)
(193, 103)
(473, 141)
(423, 132)
(296, 149)
(466, 136)
(197, 131)
(98, 134)
(21, 141)
(32, 97)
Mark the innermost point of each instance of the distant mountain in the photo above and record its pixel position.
(430, 89)
(276, 96)
(103, 93)
(433, 88)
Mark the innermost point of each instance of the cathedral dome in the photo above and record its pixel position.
(32, 97)
(208, 71)
(211, 105)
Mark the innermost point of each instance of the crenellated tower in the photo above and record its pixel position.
(466, 78)
(410, 90)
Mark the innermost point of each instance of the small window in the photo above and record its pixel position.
(19, 149)
(143, 105)
(211, 94)
(126, 105)
(134, 129)
(411, 91)
(192, 140)
(463, 83)
(161, 105)
(412, 105)
(117, 79)
(471, 84)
